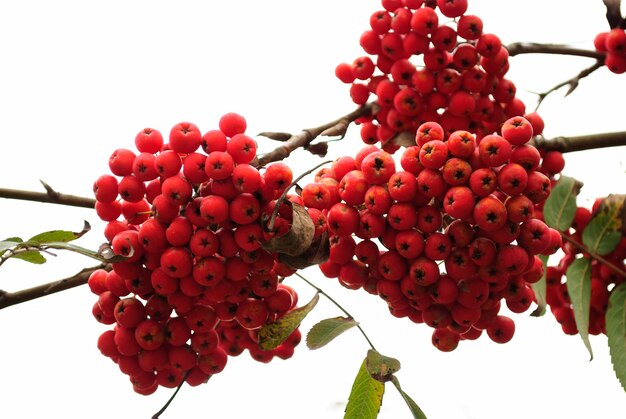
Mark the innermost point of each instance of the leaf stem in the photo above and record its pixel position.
(332, 300)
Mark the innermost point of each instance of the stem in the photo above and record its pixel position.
(158, 414)
(11, 298)
(572, 83)
(50, 196)
(283, 196)
(321, 291)
(599, 258)
(304, 138)
(518, 48)
(582, 142)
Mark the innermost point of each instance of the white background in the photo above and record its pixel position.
(79, 79)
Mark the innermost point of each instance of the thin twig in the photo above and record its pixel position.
(50, 196)
(11, 298)
(599, 258)
(283, 196)
(321, 291)
(581, 142)
(158, 414)
(519, 48)
(304, 138)
(572, 83)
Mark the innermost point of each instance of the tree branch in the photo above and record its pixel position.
(50, 196)
(8, 299)
(572, 83)
(581, 142)
(614, 13)
(518, 48)
(337, 127)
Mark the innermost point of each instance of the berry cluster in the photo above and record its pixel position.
(613, 44)
(603, 279)
(196, 285)
(465, 203)
(429, 66)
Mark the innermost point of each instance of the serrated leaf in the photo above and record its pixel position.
(58, 235)
(32, 256)
(326, 330)
(413, 407)
(366, 396)
(381, 367)
(273, 334)
(579, 290)
(560, 207)
(539, 288)
(603, 233)
(616, 331)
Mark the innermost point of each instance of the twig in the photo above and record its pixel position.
(614, 13)
(321, 291)
(304, 138)
(599, 258)
(283, 196)
(518, 48)
(50, 196)
(572, 83)
(582, 142)
(158, 414)
(11, 298)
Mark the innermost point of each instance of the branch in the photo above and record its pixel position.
(518, 48)
(572, 83)
(11, 298)
(614, 13)
(581, 142)
(595, 256)
(337, 127)
(50, 196)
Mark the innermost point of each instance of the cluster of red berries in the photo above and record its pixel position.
(465, 203)
(613, 44)
(196, 285)
(603, 279)
(425, 69)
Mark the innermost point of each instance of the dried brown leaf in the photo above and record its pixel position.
(299, 238)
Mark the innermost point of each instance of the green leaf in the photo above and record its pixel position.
(560, 207)
(58, 235)
(366, 396)
(381, 367)
(32, 256)
(616, 331)
(273, 334)
(605, 229)
(539, 288)
(413, 407)
(8, 243)
(328, 329)
(579, 290)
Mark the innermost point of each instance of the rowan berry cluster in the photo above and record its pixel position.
(196, 285)
(613, 44)
(465, 203)
(603, 278)
(429, 61)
